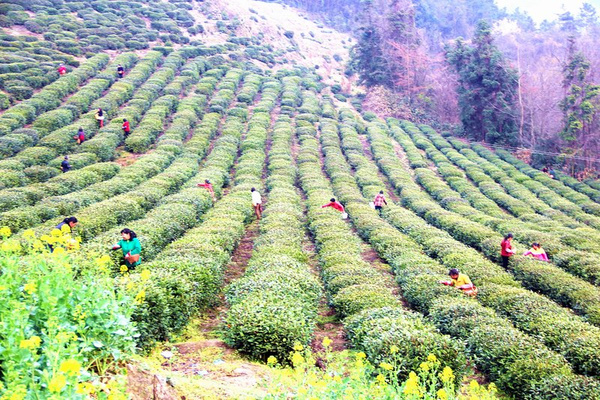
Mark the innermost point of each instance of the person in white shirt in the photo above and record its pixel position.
(256, 202)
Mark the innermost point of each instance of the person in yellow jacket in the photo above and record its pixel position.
(461, 281)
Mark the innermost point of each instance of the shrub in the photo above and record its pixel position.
(526, 364)
(20, 92)
(262, 328)
(40, 173)
(67, 299)
(375, 331)
(353, 299)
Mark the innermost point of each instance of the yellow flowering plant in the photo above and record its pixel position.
(60, 351)
(349, 375)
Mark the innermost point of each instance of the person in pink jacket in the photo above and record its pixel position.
(536, 251)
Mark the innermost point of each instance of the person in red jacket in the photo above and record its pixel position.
(334, 204)
(125, 127)
(379, 201)
(62, 69)
(208, 187)
(506, 249)
(80, 137)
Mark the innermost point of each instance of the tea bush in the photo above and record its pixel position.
(416, 284)
(275, 304)
(340, 254)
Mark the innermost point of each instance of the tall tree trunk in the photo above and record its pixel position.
(520, 95)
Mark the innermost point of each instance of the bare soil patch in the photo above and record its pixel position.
(126, 158)
(311, 45)
(242, 254)
(391, 194)
(20, 30)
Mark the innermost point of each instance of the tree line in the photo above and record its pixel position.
(478, 71)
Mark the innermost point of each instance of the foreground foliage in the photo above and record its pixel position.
(65, 329)
(348, 375)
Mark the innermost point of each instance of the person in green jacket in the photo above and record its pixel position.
(131, 247)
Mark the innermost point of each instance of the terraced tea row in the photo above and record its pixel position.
(580, 263)
(428, 295)
(192, 266)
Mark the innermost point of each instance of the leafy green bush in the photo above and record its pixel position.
(39, 173)
(526, 364)
(356, 298)
(80, 329)
(392, 333)
(263, 326)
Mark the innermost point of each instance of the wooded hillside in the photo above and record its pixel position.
(545, 101)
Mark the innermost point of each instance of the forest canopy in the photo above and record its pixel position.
(530, 86)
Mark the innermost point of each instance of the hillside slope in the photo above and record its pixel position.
(311, 45)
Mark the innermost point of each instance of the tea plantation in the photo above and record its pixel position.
(239, 114)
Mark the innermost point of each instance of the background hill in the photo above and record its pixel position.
(298, 299)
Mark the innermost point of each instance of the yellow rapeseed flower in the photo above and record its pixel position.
(46, 238)
(32, 343)
(140, 297)
(29, 234)
(18, 393)
(38, 245)
(84, 388)
(394, 349)
(474, 385)
(56, 233)
(447, 375)
(145, 275)
(442, 395)
(424, 366)
(431, 358)
(36, 340)
(70, 367)
(2, 287)
(327, 342)
(57, 383)
(386, 366)
(271, 360)
(11, 246)
(116, 396)
(58, 251)
(103, 261)
(337, 379)
(380, 379)
(298, 347)
(321, 384)
(412, 387)
(361, 356)
(17, 396)
(30, 287)
(124, 269)
(5, 232)
(297, 359)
